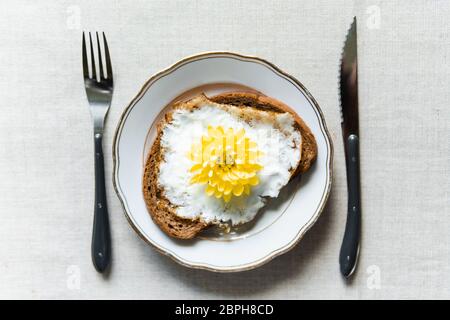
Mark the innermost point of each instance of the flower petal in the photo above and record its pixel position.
(238, 189)
(210, 190)
(227, 197)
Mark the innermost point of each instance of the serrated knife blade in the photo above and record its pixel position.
(350, 132)
(349, 83)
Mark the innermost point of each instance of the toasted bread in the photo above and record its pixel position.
(162, 211)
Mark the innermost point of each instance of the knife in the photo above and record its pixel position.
(350, 132)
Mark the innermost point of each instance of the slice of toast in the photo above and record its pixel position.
(162, 211)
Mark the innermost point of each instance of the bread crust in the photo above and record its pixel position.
(160, 208)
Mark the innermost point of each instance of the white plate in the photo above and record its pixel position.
(283, 222)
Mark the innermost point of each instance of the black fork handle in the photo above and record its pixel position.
(101, 238)
(350, 244)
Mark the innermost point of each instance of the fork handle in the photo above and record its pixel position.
(101, 238)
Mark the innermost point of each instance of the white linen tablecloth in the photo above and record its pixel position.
(46, 150)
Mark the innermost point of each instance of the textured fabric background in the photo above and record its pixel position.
(46, 151)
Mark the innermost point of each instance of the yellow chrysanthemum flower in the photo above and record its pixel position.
(225, 161)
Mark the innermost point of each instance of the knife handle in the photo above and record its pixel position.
(350, 244)
(101, 239)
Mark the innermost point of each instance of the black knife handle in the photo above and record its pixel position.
(101, 238)
(350, 244)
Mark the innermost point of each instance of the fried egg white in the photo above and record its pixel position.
(275, 136)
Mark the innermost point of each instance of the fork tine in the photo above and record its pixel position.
(100, 62)
(107, 58)
(94, 72)
(85, 61)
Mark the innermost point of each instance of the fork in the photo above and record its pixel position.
(99, 90)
